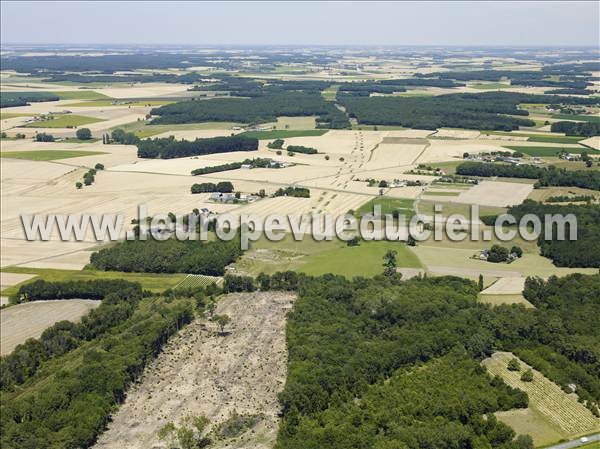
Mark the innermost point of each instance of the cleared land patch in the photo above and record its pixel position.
(29, 320)
(561, 410)
(202, 373)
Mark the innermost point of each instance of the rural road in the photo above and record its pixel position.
(576, 443)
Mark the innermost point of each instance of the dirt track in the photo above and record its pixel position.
(203, 373)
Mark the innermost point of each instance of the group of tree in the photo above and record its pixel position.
(169, 147)
(44, 137)
(397, 364)
(277, 144)
(584, 129)
(122, 137)
(252, 163)
(264, 108)
(10, 99)
(299, 192)
(301, 149)
(482, 111)
(209, 187)
(83, 134)
(546, 176)
(498, 253)
(582, 252)
(169, 256)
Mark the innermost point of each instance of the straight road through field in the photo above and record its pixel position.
(576, 443)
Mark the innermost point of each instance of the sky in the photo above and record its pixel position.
(536, 23)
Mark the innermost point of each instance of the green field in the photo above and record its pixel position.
(143, 130)
(47, 155)
(548, 151)
(388, 206)
(484, 86)
(365, 259)
(435, 193)
(149, 281)
(296, 123)
(583, 118)
(81, 94)
(283, 134)
(64, 121)
(536, 137)
(7, 115)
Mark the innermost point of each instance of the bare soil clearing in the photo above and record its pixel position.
(29, 320)
(203, 373)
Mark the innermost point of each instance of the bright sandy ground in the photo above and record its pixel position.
(29, 320)
(492, 193)
(202, 373)
(506, 286)
(593, 142)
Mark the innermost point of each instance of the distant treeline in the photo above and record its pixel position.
(187, 78)
(261, 109)
(209, 187)
(583, 252)
(9, 99)
(482, 111)
(169, 256)
(585, 129)
(569, 92)
(41, 290)
(169, 148)
(550, 176)
(517, 78)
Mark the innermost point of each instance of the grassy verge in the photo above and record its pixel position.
(583, 118)
(143, 130)
(82, 94)
(47, 155)
(388, 206)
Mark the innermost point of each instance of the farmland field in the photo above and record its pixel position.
(29, 320)
(63, 121)
(47, 155)
(548, 151)
(561, 410)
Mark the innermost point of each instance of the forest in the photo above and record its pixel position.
(585, 129)
(300, 192)
(375, 363)
(263, 108)
(9, 99)
(169, 256)
(583, 252)
(169, 147)
(485, 111)
(253, 163)
(546, 176)
(209, 187)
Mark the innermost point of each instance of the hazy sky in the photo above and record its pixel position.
(352, 23)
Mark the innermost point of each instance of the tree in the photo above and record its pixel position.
(514, 365)
(389, 263)
(43, 137)
(589, 163)
(79, 185)
(498, 254)
(411, 241)
(480, 283)
(354, 241)
(527, 376)
(83, 134)
(222, 321)
(211, 307)
(516, 250)
(99, 166)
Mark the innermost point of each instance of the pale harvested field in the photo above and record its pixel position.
(592, 142)
(506, 286)
(390, 155)
(295, 123)
(10, 279)
(495, 193)
(496, 300)
(340, 143)
(202, 373)
(197, 133)
(29, 320)
(562, 411)
(143, 90)
(457, 133)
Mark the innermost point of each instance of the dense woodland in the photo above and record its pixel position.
(583, 252)
(485, 111)
(9, 99)
(263, 108)
(170, 256)
(169, 147)
(376, 363)
(585, 129)
(546, 176)
(208, 187)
